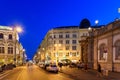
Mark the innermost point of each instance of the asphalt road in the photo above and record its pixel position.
(34, 73)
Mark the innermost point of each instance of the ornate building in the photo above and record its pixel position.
(107, 46)
(10, 48)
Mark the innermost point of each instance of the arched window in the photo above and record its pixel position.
(10, 36)
(10, 49)
(1, 36)
(117, 50)
(2, 49)
(102, 52)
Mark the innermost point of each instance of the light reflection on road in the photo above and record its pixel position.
(35, 73)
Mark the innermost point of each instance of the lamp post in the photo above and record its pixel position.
(91, 45)
(17, 30)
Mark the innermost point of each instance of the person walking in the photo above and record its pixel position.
(99, 71)
(60, 65)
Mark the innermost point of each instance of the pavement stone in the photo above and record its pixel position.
(90, 74)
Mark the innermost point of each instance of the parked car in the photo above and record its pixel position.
(72, 65)
(53, 68)
(41, 64)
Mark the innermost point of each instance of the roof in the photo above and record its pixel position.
(66, 27)
(5, 28)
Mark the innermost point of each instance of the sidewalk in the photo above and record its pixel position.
(79, 74)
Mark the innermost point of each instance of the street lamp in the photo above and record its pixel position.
(91, 44)
(16, 30)
(96, 22)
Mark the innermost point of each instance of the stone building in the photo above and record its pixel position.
(62, 43)
(10, 47)
(107, 46)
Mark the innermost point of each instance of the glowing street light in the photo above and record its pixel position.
(18, 29)
(96, 22)
(89, 28)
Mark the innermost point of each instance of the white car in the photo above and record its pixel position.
(41, 64)
(53, 68)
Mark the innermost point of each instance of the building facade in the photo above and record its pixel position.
(62, 43)
(10, 48)
(107, 46)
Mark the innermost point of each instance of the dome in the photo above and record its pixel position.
(85, 23)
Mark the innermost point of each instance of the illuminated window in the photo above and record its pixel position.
(67, 54)
(74, 54)
(54, 54)
(60, 54)
(67, 47)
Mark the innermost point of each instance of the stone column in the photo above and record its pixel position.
(95, 53)
(110, 53)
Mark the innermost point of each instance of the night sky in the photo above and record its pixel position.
(37, 17)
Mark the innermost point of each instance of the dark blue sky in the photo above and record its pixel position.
(38, 16)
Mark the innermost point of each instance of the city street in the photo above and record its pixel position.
(36, 73)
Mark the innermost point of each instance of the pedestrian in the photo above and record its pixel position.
(60, 65)
(99, 71)
(78, 65)
(29, 66)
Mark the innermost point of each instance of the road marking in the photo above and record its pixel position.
(18, 78)
(4, 75)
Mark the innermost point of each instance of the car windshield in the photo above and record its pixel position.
(53, 66)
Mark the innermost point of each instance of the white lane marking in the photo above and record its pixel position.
(18, 78)
(4, 75)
